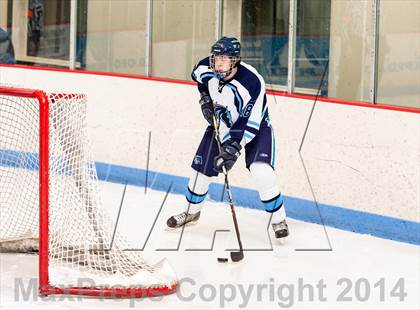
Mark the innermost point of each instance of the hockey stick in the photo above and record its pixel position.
(235, 256)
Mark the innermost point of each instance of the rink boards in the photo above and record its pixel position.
(357, 170)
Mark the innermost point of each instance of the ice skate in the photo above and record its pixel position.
(182, 219)
(281, 229)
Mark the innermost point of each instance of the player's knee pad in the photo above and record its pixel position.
(266, 183)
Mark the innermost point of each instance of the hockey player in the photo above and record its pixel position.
(235, 93)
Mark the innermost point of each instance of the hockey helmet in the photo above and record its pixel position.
(227, 47)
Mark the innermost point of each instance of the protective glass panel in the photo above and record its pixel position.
(265, 36)
(183, 32)
(116, 36)
(312, 44)
(399, 53)
(351, 45)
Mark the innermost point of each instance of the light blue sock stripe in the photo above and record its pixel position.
(194, 198)
(273, 205)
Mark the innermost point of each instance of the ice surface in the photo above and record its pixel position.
(276, 277)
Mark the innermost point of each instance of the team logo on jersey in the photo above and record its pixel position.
(198, 160)
(223, 114)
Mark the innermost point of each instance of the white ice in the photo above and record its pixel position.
(360, 272)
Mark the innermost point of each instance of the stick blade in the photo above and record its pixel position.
(237, 256)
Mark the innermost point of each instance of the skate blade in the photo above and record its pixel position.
(281, 241)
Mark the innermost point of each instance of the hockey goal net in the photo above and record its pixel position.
(49, 202)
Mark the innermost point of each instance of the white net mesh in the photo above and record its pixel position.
(80, 231)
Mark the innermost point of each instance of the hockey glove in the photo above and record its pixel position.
(228, 156)
(207, 107)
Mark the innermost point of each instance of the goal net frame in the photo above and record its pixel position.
(45, 288)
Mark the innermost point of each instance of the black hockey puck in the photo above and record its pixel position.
(222, 260)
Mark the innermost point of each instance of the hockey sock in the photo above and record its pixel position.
(196, 192)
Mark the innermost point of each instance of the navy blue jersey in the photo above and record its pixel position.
(240, 103)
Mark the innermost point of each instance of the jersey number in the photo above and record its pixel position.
(247, 110)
